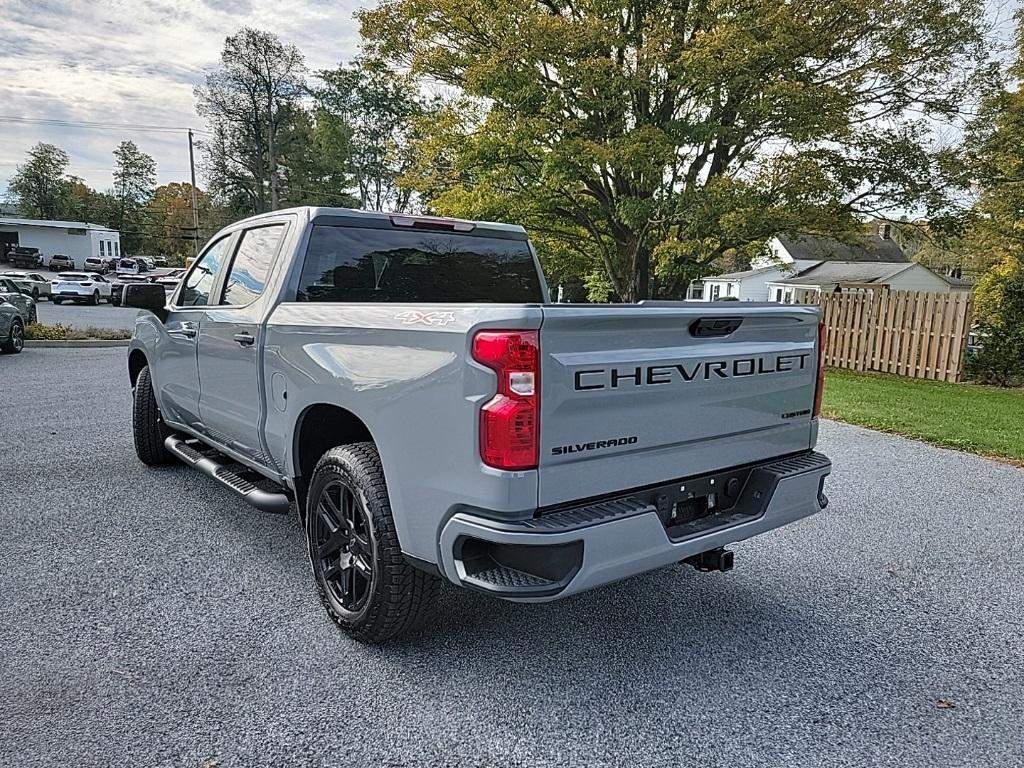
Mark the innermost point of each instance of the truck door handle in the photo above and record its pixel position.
(187, 332)
(245, 339)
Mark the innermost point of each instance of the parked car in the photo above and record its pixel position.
(117, 288)
(59, 262)
(159, 261)
(19, 298)
(37, 285)
(80, 286)
(132, 266)
(169, 279)
(25, 258)
(531, 450)
(12, 329)
(95, 264)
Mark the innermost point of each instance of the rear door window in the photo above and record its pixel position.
(251, 265)
(351, 264)
(196, 290)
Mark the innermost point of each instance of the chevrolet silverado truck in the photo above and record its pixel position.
(405, 383)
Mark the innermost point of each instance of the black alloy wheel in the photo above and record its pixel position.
(344, 547)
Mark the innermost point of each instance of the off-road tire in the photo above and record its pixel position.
(402, 598)
(148, 427)
(15, 340)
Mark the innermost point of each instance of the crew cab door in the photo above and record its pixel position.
(174, 365)
(231, 342)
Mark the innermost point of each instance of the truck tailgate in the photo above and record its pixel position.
(633, 395)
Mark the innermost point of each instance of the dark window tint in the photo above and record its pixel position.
(351, 264)
(249, 270)
(196, 290)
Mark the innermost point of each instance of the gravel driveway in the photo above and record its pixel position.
(149, 618)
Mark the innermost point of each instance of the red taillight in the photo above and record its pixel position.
(509, 421)
(819, 387)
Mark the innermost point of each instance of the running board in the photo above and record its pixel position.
(267, 501)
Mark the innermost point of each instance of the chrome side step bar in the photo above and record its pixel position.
(267, 501)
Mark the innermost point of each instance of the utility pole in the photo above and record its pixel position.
(195, 197)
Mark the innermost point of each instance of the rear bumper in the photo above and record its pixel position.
(581, 547)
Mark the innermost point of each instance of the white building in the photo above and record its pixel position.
(76, 239)
(794, 268)
(750, 284)
(837, 276)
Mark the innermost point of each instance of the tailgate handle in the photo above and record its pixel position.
(714, 326)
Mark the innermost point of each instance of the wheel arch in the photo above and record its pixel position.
(136, 362)
(320, 427)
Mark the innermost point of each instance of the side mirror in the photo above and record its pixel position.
(149, 296)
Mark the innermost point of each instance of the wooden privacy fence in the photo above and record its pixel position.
(908, 333)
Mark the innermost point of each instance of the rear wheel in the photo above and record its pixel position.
(148, 426)
(33, 315)
(35, 293)
(362, 578)
(15, 338)
(55, 300)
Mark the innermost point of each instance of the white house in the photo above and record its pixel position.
(750, 284)
(796, 267)
(834, 276)
(76, 239)
(877, 246)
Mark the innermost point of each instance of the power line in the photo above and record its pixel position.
(100, 125)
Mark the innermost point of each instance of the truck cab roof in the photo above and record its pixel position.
(374, 219)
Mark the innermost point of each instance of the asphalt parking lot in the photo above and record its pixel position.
(103, 315)
(150, 618)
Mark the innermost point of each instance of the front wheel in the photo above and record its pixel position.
(15, 338)
(148, 426)
(33, 315)
(95, 298)
(35, 294)
(55, 300)
(362, 578)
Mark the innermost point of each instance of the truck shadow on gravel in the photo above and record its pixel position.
(668, 631)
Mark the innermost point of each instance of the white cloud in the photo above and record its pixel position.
(136, 61)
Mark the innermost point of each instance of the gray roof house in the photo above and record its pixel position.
(795, 268)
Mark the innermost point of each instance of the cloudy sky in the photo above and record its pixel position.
(135, 61)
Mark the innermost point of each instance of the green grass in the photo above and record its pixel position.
(967, 417)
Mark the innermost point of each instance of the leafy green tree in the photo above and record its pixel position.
(168, 227)
(134, 180)
(39, 184)
(247, 102)
(370, 111)
(318, 171)
(647, 138)
(999, 309)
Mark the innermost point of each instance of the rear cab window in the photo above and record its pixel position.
(357, 264)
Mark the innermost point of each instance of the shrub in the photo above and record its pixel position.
(39, 332)
(1000, 326)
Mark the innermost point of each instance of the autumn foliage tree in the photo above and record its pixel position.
(646, 138)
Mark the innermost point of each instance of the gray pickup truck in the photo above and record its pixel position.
(405, 382)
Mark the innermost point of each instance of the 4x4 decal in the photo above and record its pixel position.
(414, 317)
